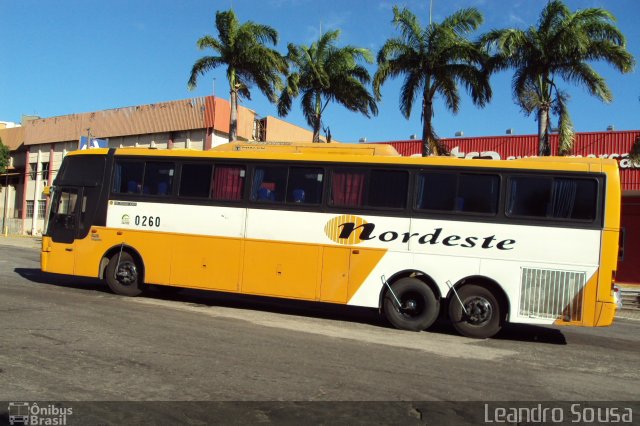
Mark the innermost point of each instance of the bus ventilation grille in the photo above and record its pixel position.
(551, 294)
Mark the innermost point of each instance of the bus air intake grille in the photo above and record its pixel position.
(551, 294)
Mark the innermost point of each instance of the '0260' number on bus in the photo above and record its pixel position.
(149, 221)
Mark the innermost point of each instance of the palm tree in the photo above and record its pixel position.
(243, 49)
(433, 60)
(325, 73)
(558, 49)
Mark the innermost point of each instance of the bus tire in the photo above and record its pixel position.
(126, 280)
(418, 308)
(483, 317)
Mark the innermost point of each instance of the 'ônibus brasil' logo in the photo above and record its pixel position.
(350, 229)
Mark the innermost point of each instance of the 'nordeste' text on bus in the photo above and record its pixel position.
(367, 232)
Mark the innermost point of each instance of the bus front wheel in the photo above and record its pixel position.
(123, 275)
(477, 314)
(411, 305)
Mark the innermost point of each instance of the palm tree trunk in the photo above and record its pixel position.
(544, 149)
(427, 129)
(316, 129)
(317, 118)
(233, 119)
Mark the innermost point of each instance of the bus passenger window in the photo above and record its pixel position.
(480, 193)
(451, 191)
(347, 188)
(228, 183)
(388, 188)
(269, 184)
(195, 180)
(127, 178)
(554, 198)
(158, 178)
(437, 191)
(305, 185)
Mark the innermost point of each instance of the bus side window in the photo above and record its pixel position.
(128, 177)
(158, 178)
(480, 193)
(388, 189)
(347, 188)
(437, 191)
(195, 180)
(228, 183)
(269, 184)
(553, 198)
(305, 185)
(450, 191)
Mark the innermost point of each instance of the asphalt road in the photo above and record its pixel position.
(68, 339)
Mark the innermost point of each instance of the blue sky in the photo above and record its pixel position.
(70, 56)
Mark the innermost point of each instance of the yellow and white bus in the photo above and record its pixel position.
(486, 241)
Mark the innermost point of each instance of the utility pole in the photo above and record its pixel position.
(5, 228)
(88, 137)
(430, 10)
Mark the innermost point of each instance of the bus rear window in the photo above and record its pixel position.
(553, 198)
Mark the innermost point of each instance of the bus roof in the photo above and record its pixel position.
(310, 147)
(357, 153)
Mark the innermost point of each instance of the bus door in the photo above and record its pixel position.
(72, 213)
(62, 229)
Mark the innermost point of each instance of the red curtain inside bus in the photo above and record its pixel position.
(347, 188)
(228, 183)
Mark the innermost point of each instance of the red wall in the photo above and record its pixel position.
(629, 267)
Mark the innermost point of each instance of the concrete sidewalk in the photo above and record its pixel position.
(27, 241)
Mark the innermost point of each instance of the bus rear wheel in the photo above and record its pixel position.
(123, 275)
(411, 305)
(481, 316)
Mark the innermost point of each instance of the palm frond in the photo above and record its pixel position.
(202, 66)
(566, 134)
(463, 21)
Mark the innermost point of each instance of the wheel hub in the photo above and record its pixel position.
(478, 310)
(127, 273)
(410, 306)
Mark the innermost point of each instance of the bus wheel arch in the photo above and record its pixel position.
(486, 307)
(413, 303)
(129, 279)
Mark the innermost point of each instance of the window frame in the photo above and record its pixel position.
(145, 162)
(458, 172)
(285, 204)
(598, 217)
(368, 169)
